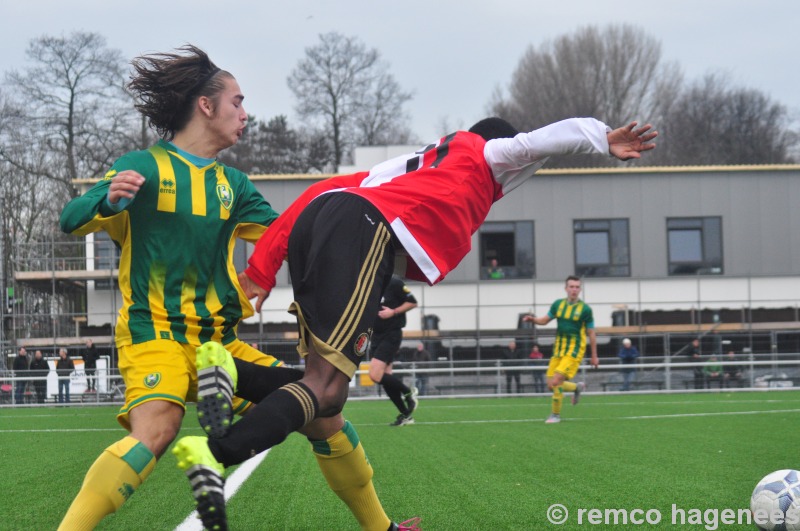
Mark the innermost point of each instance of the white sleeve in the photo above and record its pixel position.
(513, 160)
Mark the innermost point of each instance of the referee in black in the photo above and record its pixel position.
(387, 334)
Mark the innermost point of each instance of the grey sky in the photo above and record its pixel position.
(451, 54)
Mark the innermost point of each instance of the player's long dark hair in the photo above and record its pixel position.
(166, 86)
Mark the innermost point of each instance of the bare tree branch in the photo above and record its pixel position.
(346, 87)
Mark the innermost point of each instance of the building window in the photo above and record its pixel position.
(695, 246)
(506, 250)
(106, 256)
(602, 248)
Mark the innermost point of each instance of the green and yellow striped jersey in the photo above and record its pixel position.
(176, 237)
(573, 320)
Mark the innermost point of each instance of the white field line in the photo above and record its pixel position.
(571, 419)
(532, 402)
(432, 405)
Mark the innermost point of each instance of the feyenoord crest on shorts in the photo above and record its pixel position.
(361, 344)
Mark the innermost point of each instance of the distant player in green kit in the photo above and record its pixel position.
(575, 323)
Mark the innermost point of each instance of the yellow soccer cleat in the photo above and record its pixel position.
(205, 475)
(216, 383)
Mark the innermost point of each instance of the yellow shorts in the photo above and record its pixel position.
(566, 365)
(163, 369)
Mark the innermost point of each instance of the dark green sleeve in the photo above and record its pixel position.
(253, 208)
(588, 317)
(553, 309)
(84, 209)
(88, 212)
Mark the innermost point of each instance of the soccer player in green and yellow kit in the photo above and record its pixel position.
(575, 323)
(175, 212)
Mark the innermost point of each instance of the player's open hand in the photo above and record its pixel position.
(629, 142)
(253, 290)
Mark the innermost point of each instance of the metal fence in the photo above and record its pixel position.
(485, 378)
(72, 255)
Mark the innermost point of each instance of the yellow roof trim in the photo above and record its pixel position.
(556, 171)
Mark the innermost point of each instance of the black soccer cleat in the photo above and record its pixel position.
(411, 400)
(402, 420)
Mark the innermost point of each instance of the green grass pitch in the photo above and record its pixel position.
(484, 464)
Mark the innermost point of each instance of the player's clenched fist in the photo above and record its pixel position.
(124, 185)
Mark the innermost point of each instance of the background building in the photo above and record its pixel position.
(692, 248)
(654, 245)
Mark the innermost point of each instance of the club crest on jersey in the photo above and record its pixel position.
(225, 195)
(152, 380)
(361, 344)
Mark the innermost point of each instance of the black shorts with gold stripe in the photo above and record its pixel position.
(341, 257)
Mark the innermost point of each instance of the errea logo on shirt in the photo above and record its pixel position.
(225, 195)
(167, 187)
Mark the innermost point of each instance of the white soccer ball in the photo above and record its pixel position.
(775, 503)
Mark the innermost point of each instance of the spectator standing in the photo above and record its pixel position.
(732, 372)
(39, 371)
(64, 368)
(511, 356)
(421, 355)
(627, 355)
(89, 356)
(537, 358)
(20, 369)
(696, 358)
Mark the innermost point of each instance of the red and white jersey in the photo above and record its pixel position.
(436, 198)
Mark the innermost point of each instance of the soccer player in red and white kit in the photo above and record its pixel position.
(414, 215)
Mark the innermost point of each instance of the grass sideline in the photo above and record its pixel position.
(486, 464)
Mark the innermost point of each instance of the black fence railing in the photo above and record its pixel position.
(462, 379)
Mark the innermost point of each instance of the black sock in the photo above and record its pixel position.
(395, 389)
(256, 382)
(272, 420)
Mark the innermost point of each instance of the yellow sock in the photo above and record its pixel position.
(344, 464)
(111, 480)
(558, 396)
(569, 386)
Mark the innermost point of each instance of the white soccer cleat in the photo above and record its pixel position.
(553, 419)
